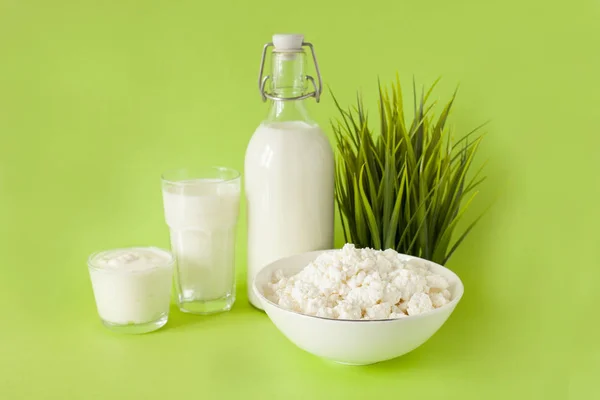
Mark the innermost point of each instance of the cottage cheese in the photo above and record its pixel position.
(363, 284)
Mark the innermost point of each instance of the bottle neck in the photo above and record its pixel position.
(288, 79)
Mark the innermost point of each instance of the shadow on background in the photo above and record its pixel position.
(472, 326)
(179, 320)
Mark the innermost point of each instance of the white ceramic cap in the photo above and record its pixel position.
(288, 42)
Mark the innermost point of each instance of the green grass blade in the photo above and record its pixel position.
(413, 218)
(432, 87)
(466, 137)
(440, 254)
(372, 223)
(361, 238)
(389, 181)
(416, 236)
(461, 238)
(390, 236)
(445, 113)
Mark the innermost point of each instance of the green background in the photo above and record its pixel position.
(98, 97)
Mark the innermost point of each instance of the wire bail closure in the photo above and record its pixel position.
(262, 80)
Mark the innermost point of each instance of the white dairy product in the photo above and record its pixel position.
(360, 284)
(289, 190)
(132, 286)
(202, 215)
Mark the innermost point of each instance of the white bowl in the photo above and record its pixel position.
(354, 342)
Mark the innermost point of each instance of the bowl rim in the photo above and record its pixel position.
(450, 305)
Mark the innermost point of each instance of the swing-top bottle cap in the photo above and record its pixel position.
(288, 42)
(288, 47)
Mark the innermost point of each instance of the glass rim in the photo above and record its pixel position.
(170, 263)
(235, 175)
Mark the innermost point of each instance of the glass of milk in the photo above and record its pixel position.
(132, 287)
(201, 210)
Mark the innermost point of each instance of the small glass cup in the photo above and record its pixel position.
(132, 288)
(201, 209)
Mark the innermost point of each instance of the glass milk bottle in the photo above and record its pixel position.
(289, 164)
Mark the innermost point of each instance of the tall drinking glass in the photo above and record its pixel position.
(201, 209)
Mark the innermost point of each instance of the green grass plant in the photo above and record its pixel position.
(405, 185)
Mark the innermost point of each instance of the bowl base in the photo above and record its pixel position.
(354, 364)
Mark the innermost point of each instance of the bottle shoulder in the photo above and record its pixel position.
(288, 134)
(283, 147)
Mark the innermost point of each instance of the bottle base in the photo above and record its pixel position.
(207, 307)
(137, 329)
